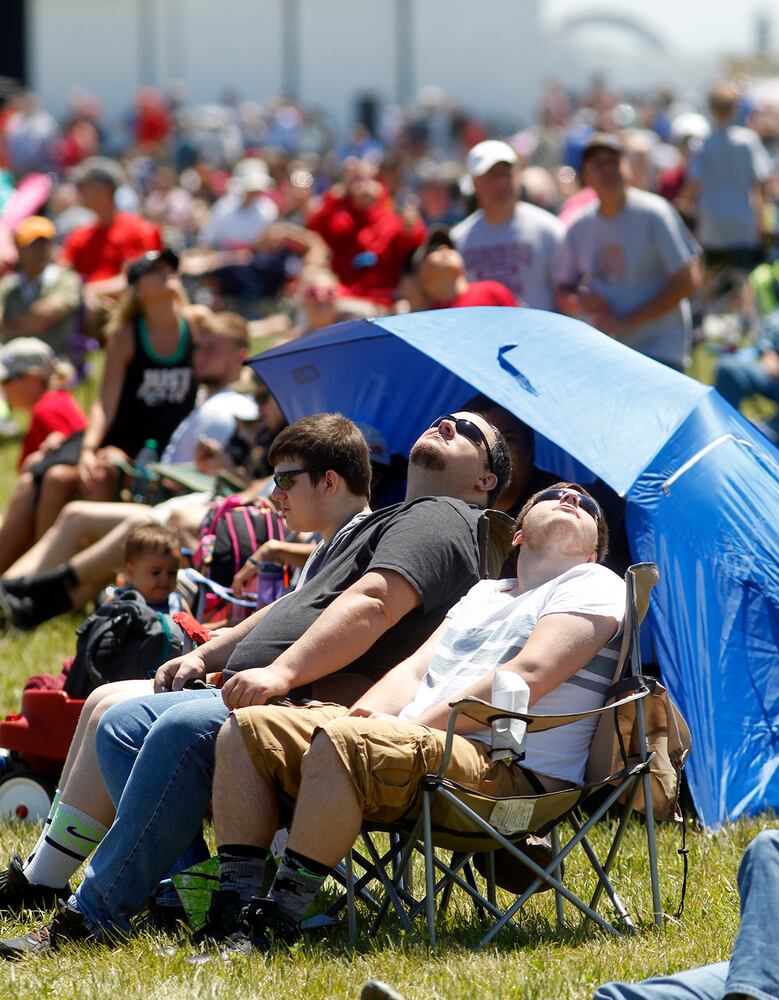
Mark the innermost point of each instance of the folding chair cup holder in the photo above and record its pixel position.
(623, 761)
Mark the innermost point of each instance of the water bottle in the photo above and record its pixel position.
(509, 691)
(139, 484)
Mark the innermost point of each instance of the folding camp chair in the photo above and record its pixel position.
(463, 821)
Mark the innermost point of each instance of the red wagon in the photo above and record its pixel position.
(36, 742)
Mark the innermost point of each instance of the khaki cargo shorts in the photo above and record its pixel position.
(385, 758)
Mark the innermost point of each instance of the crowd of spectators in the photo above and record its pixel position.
(173, 241)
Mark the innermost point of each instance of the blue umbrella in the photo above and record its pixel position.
(701, 484)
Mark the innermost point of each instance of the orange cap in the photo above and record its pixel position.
(34, 227)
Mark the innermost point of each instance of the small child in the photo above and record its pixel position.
(151, 563)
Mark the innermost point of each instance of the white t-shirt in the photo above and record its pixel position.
(492, 623)
(232, 224)
(628, 258)
(727, 166)
(520, 253)
(214, 418)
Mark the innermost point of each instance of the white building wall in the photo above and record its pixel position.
(489, 54)
(347, 48)
(83, 43)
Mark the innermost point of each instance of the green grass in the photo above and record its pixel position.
(537, 964)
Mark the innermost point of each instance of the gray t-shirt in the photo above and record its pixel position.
(727, 166)
(431, 542)
(520, 253)
(628, 258)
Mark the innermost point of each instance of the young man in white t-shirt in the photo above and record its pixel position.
(549, 627)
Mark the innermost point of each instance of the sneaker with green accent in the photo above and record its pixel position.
(67, 925)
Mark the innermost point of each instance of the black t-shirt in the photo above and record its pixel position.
(157, 393)
(431, 542)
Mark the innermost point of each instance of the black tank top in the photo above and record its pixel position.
(157, 393)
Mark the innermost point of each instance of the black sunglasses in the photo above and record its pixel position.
(468, 429)
(285, 480)
(586, 503)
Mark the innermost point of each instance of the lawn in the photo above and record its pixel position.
(536, 963)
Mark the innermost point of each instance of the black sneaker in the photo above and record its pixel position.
(19, 612)
(260, 926)
(67, 925)
(17, 894)
(222, 919)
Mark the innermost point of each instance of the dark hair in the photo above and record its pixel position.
(501, 459)
(482, 405)
(602, 544)
(327, 441)
(148, 539)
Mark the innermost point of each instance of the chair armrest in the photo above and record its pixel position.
(481, 711)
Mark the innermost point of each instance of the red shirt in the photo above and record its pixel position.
(481, 293)
(56, 410)
(98, 252)
(369, 246)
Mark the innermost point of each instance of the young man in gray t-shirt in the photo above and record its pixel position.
(628, 264)
(507, 240)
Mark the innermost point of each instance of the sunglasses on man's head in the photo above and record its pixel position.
(285, 480)
(468, 429)
(586, 503)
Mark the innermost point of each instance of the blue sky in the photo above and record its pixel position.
(698, 25)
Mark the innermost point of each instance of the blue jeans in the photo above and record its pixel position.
(753, 969)
(156, 756)
(740, 375)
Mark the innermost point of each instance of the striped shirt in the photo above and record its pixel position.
(492, 623)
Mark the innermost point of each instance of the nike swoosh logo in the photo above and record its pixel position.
(74, 833)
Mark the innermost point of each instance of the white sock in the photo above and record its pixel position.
(42, 839)
(69, 839)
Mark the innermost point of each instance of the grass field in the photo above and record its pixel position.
(536, 964)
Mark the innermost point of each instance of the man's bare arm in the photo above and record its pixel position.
(343, 632)
(559, 646)
(680, 285)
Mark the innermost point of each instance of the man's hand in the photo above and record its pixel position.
(253, 687)
(210, 456)
(769, 362)
(370, 713)
(173, 675)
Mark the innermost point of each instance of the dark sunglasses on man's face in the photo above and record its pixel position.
(286, 480)
(468, 429)
(586, 503)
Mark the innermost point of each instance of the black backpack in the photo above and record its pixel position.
(123, 640)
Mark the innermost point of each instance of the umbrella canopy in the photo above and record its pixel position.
(702, 490)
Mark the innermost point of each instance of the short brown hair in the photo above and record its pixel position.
(327, 441)
(150, 539)
(602, 544)
(723, 101)
(229, 325)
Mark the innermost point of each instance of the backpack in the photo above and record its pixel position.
(123, 640)
(230, 533)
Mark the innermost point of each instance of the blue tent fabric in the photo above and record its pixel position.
(702, 490)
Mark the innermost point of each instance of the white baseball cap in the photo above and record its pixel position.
(485, 155)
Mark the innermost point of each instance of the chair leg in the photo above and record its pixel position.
(651, 846)
(351, 913)
(602, 871)
(428, 842)
(557, 872)
(491, 891)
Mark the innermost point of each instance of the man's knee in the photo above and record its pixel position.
(762, 853)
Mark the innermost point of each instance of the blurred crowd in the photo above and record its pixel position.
(637, 213)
